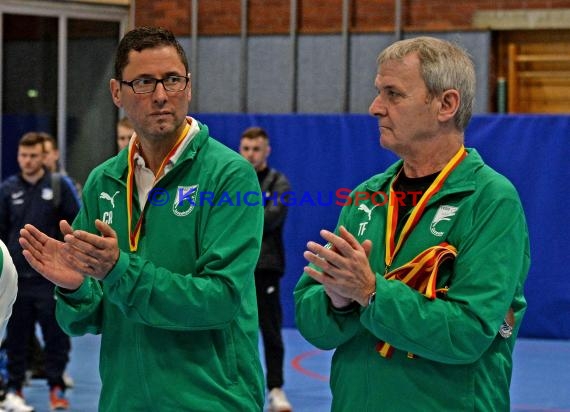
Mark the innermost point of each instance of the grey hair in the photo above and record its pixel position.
(443, 66)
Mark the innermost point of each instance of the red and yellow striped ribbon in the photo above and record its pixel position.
(392, 247)
(421, 274)
(134, 234)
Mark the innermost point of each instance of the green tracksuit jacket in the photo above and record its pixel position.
(462, 363)
(177, 318)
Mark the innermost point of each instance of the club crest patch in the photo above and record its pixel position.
(445, 212)
(185, 200)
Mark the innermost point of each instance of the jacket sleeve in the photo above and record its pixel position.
(317, 320)
(8, 288)
(275, 210)
(222, 283)
(488, 277)
(80, 312)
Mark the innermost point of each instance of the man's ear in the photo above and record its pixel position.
(115, 88)
(449, 104)
(189, 87)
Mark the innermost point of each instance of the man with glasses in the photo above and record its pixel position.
(167, 280)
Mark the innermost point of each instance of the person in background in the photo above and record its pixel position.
(51, 159)
(36, 358)
(124, 132)
(28, 197)
(165, 277)
(254, 146)
(51, 152)
(421, 296)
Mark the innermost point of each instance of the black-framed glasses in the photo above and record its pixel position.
(148, 84)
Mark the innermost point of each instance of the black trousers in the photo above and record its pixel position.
(35, 303)
(270, 322)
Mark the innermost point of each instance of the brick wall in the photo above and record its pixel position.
(172, 14)
(222, 17)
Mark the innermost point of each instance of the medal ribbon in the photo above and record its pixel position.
(135, 233)
(392, 247)
(420, 274)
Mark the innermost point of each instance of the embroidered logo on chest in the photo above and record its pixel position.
(368, 211)
(185, 200)
(107, 196)
(47, 193)
(445, 212)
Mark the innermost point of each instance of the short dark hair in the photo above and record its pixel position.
(142, 38)
(49, 138)
(254, 132)
(32, 139)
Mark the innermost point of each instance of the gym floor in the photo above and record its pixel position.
(540, 382)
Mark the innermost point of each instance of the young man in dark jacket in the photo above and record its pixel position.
(28, 197)
(254, 146)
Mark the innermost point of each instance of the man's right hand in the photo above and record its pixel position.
(338, 301)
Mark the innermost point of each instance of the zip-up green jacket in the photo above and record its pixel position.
(178, 317)
(461, 363)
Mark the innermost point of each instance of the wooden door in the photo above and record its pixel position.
(536, 67)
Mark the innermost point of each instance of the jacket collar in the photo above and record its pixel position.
(462, 179)
(117, 167)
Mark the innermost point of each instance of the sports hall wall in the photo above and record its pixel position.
(323, 153)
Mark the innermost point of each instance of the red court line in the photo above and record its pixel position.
(296, 363)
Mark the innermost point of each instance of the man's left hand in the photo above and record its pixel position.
(90, 254)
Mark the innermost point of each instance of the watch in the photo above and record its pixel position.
(371, 298)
